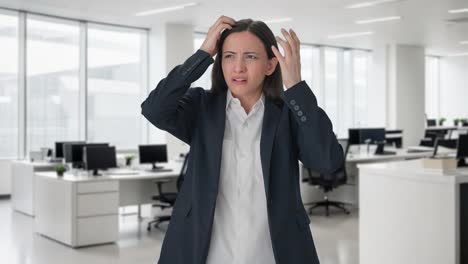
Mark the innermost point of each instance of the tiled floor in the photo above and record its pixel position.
(336, 239)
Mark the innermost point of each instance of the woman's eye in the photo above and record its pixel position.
(252, 57)
(227, 56)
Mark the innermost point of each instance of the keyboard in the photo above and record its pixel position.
(386, 153)
(159, 170)
(122, 172)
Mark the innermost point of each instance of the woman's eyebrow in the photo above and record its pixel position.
(247, 52)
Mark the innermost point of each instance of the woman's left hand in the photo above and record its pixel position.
(290, 63)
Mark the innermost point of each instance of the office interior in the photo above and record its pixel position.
(85, 178)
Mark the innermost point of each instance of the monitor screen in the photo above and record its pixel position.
(59, 150)
(431, 122)
(372, 135)
(99, 157)
(462, 146)
(353, 136)
(152, 153)
(73, 152)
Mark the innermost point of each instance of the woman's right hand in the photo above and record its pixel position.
(214, 34)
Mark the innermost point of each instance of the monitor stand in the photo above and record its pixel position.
(96, 173)
(155, 167)
(462, 163)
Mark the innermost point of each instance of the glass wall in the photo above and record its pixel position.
(115, 90)
(52, 89)
(81, 81)
(8, 85)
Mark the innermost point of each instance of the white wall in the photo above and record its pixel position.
(406, 93)
(5, 177)
(170, 45)
(376, 91)
(453, 88)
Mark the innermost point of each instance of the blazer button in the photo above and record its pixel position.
(292, 102)
(303, 119)
(296, 107)
(300, 113)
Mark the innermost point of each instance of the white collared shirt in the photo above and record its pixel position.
(240, 231)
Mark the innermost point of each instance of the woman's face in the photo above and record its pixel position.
(245, 63)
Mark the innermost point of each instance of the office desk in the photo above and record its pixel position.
(409, 214)
(83, 210)
(22, 173)
(349, 193)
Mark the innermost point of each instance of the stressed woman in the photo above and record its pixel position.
(240, 201)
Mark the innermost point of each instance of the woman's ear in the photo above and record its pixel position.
(271, 66)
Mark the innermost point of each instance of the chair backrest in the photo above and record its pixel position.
(329, 181)
(183, 170)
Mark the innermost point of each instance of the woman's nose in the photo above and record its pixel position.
(239, 65)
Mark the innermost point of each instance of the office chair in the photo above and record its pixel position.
(167, 199)
(430, 137)
(328, 182)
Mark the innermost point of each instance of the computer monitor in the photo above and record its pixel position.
(372, 135)
(152, 154)
(431, 122)
(73, 152)
(462, 150)
(99, 158)
(447, 143)
(59, 153)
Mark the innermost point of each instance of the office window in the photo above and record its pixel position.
(205, 80)
(310, 69)
(432, 87)
(8, 85)
(52, 100)
(331, 85)
(116, 85)
(361, 62)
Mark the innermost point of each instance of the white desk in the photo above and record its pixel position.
(409, 214)
(349, 193)
(83, 210)
(22, 173)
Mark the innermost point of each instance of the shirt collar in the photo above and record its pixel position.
(231, 99)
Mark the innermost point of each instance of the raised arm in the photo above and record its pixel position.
(317, 145)
(172, 106)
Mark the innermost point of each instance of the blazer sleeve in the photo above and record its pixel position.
(172, 106)
(316, 143)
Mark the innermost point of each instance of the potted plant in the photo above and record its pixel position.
(128, 160)
(441, 121)
(464, 121)
(60, 169)
(456, 121)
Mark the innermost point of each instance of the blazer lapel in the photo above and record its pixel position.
(216, 120)
(270, 123)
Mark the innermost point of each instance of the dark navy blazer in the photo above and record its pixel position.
(293, 129)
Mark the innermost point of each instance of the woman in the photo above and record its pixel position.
(240, 201)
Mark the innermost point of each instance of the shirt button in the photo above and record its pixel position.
(303, 119)
(300, 113)
(292, 102)
(296, 107)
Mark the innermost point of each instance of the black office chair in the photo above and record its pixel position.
(167, 199)
(430, 137)
(328, 182)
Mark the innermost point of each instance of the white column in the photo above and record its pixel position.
(405, 91)
(169, 45)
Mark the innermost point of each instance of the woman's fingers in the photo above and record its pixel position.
(285, 45)
(291, 41)
(277, 55)
(296, 39)
(221, 28)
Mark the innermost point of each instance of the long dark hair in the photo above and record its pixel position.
(272, 84)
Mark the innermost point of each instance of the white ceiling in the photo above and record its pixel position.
(424, 21)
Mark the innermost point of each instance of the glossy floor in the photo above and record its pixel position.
(336, 239)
